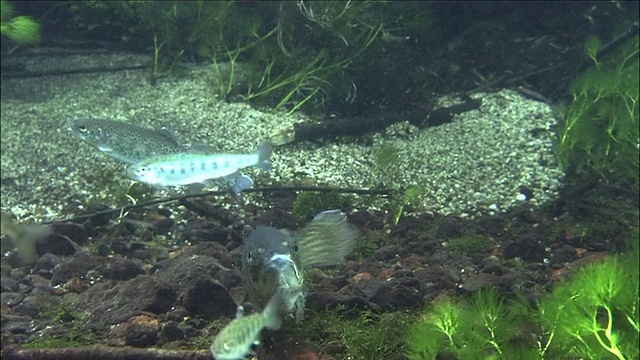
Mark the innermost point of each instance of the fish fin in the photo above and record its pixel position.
(105, 148)
(272, 312)
(264, 153)
(166, 133)
(199, 148)
(241, 183)
(239, 312)
(327, 240)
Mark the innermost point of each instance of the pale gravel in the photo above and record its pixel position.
(472, 166)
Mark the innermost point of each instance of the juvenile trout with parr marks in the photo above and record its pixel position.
(193, 168)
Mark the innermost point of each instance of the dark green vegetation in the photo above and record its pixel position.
(366, 336)
(20, 29)
(309, 204)
(600, 129)
(76, 333)
(285, 54)
(593, 315)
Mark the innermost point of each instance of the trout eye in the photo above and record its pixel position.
(82, 128)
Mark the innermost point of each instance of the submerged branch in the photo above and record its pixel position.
(102, 352)
(224, 193)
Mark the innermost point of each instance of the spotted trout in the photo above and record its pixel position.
(124, 141)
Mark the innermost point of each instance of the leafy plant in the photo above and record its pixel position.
(402, 199)
(594, 315)
(600, 128)
(480, 328)
(20, 29)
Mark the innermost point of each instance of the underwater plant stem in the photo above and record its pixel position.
(544, 349)
(493, 338)
(612, 347)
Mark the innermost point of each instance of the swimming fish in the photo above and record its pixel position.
(274, 262)
(23, 237)
(132, 144)
(124, 141)
(235, 340)
(192, 168)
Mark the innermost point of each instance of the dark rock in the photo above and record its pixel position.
(171, 331)
(140, 335)
(422, 246)
(186, 268)
(209, 299)
(9, 284)
(122, 269)
(229, 278)
(450, 228)
(79, 266)
(17, 325)
(322, 301)
(529, 248)
(566, 253)
(491, 266)
(75, 232)
(367, 220)
(435, 278)
(163, 226)
(197, 231)
(598, 246)
(209, 210)
(386, 252)
(278, 218)
(120, 244)
(396, 294)
(479, 281)
(45, 264)
(10, 298)
(177, 314)
(98, 220)
(112, 302)
(55, 244)
(514, 281)
(402, 272)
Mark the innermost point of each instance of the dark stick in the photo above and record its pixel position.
(102, 352)
(224, 193)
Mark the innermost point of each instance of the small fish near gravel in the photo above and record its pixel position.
(235, 340)
(124, 141)
(197, 168)
(133, 144)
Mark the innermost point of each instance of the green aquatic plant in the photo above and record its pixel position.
(61, 313)
(402, 199)
(480, 328)
(20, 29)
(309, 204)
(362, 336)
(466, 244)
(600, 127)
(593, 315)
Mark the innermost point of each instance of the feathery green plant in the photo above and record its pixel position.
(600, 127)
(20, 29)
(593, 315)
